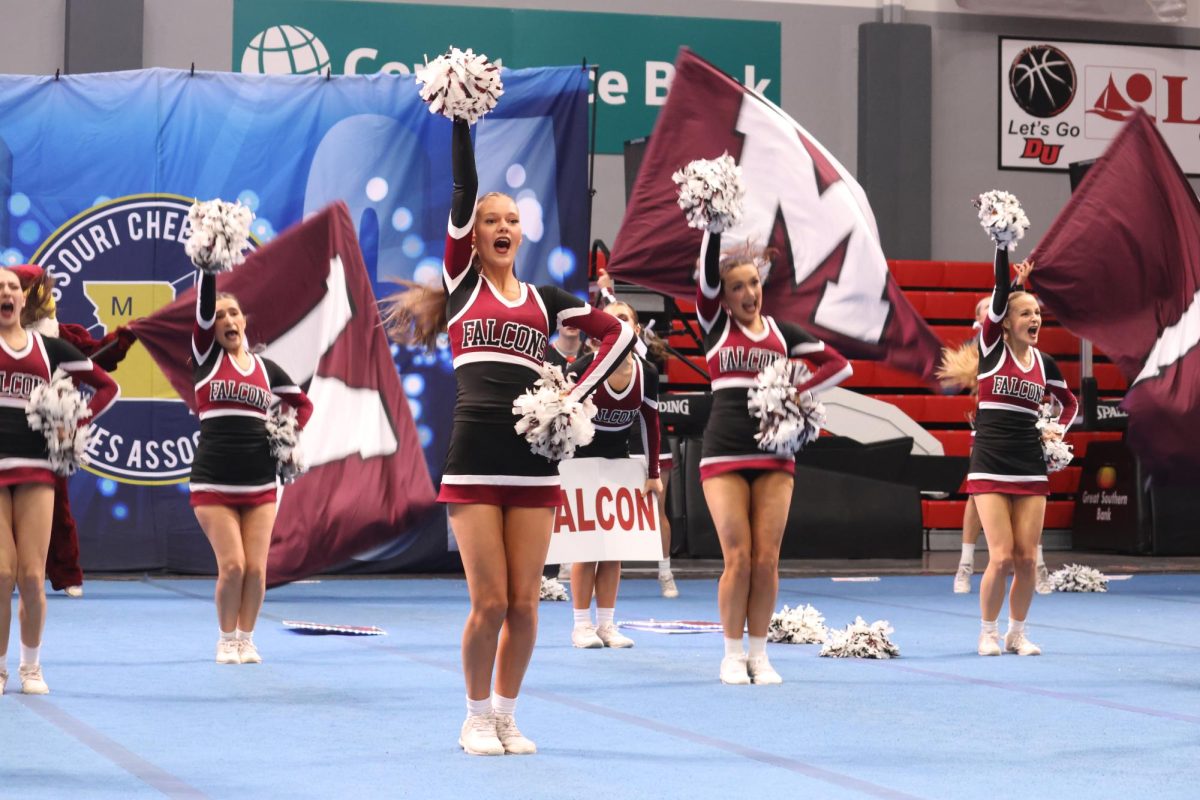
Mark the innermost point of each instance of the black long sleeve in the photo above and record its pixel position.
(1001, 290)
(466, 181)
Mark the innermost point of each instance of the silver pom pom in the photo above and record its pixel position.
(787, 419)
(552, 590)
(860, 640)
(1001, 215)
(799, 625)
(57, 409)
(283, 432)
(553, 423)
(460, 85)
(1057, 452)
(219, 234)
(711, 193)
(1078, 578)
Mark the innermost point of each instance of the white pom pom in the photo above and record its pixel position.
(219, 234)
(1001, 215)
(460, 85)
(552, 590)
(1078, 578)
(799, 625)
(553, 423)
(787, 419)
(861, 640)
(711, 193)
(1057, 452)
(283, 432)
(56, 409)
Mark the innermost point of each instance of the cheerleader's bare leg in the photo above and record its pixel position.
(32, 511)
(1028, 516)
(479, 532)
(728, 499)
(222, 526)
(256, 523)
(996, 512)
(8, 577)
(583, 586)
(771, 497)
(526, 541)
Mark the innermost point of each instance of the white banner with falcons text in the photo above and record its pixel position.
(1063, 101)
(605, 515)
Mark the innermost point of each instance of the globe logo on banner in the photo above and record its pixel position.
(1042, 80)
(285, 50)
(113, 263)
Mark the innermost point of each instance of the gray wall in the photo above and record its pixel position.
(820, 74)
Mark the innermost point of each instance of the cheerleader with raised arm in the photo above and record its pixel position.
(233, 481)
(501, 496)
(28, 362)
(748, 490)
(627, 398)
(1008, 474)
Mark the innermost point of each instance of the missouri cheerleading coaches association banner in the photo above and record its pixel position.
(97, 173)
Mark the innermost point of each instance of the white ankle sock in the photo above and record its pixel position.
(989, 626)
(29, 655)
(733, 647)
(244, 636)
(504, 705)
(758, 646)
(604, 616)
(664, 567)
(229, 636)
(1041, 559)
(968, 554)
(583, 617)
(1016, 625)
(477, 708)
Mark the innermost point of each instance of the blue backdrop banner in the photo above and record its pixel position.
(96, 176)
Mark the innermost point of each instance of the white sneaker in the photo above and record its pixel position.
(1015, 642)
(32, 681)
(3, 680)
(734, 671)
(478, 736)
(73, 591)
(584, 636)
(564, 572)
(761, 671)
(1043, 586)
(511, 739)
(989, 644)
(248, 653)
(962, 579)
(611, 637)
(228, 651)
(666, 582)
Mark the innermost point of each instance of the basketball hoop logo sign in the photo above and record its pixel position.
(1042, 81)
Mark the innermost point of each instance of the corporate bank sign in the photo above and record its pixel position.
(1063, 101)
(635, 52)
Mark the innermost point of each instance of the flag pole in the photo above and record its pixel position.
(591, 183)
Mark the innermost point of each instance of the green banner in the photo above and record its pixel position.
(635, 53)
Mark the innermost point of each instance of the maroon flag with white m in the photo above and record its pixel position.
(830, 274)
(308, 298)
(1121, 266)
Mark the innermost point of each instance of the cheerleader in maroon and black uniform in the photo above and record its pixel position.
(28, 360)
(628, 396)
(748, 491)
(233, 481)
(1007, 476)
(502, 496)
(653, 351)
